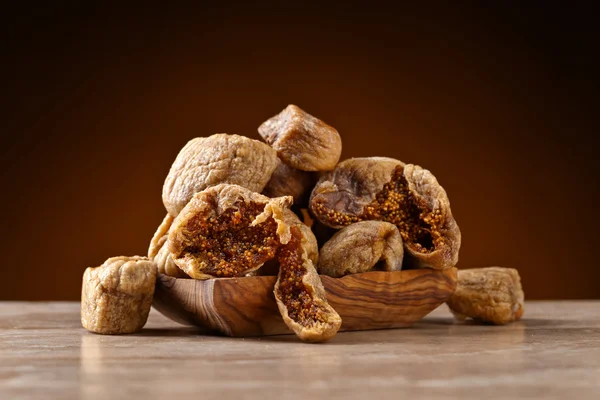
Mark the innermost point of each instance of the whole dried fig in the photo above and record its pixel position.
(158, 251)
(116, 296)
(493, 295)
(220, 158)
(302, 141)
(287, 181)
(385, 189)
(228, 231)
(362, 247)
(300, 294)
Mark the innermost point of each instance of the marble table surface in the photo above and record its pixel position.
(553, 353)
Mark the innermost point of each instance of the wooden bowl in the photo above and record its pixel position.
(246, 306)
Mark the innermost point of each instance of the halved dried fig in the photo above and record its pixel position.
(302, 141)
(158, 251)
(220, 158)
(385, 189)
(340, 197)
(362, 247)
(493, 295)
(116, 296)
(309, 244)
(228, 231)
(300, 294)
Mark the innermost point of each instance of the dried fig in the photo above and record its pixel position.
(493, 295)
(300, 294)
(385, 189)
(116, 296)
(287, 181)
(228, 231)
(159, 250)
(362, 247)
(309, 242)
(220, 158)
(302, 141)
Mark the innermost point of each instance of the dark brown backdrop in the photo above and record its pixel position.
(496, 102)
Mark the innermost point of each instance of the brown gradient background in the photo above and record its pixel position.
(496, 102)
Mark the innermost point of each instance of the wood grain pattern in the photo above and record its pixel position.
(553, 353)
(246, 306)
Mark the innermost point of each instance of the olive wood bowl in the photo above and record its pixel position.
(246, 306)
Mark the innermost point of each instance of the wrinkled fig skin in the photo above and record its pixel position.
(360, 247)
(491, 295)
(302, 141)
(352, 185)
(353, 192)
(287, 181)
(158, 251)
(159, 237)
(216, 159)
(300, 294)
(227, 231)
(116, 296)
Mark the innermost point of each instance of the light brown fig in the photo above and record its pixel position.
(228, 231)
(302, 141)
(220, 158)
(385, 189)
(362, 247)
(300, 294)
(116, 296)
(158, 251)
(492, 295)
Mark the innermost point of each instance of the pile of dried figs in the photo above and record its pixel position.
(240, 207)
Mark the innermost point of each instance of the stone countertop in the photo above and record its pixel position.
(553, 353)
